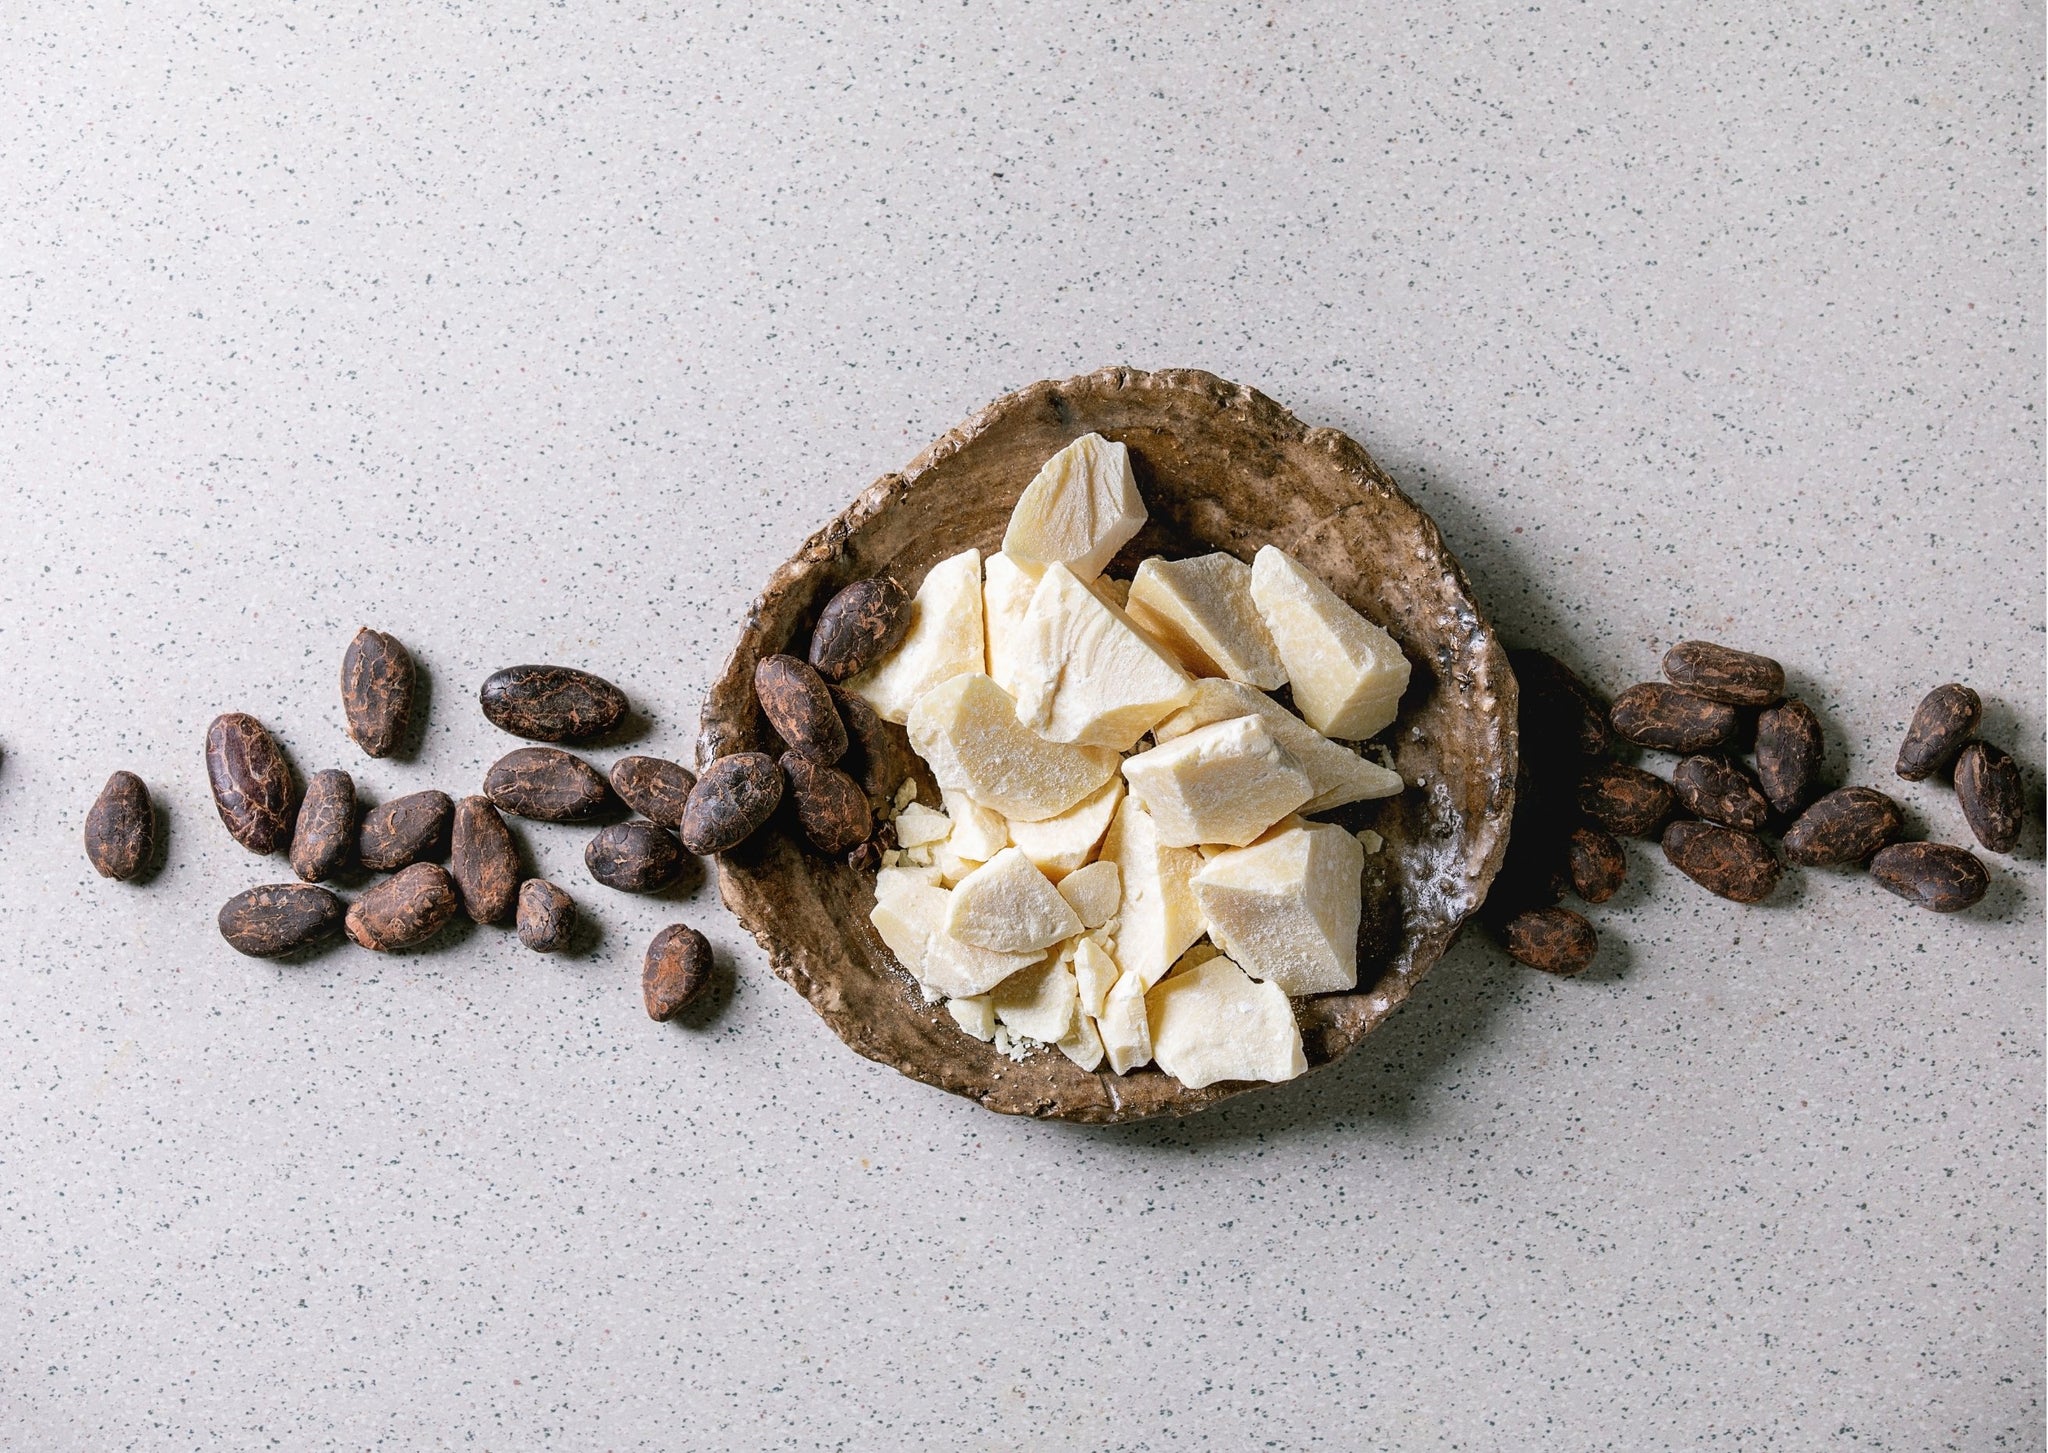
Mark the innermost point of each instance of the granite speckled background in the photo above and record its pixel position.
(542, 332)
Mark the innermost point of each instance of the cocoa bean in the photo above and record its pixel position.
(1938, 877)
(732, 798)
(547, 916)
(634, 857)
(403, 911)
(677, 969)
(547, 784)
(405, 830)
(1944, 720)
(830, 807)
(252, 785)
(878, 755)
(656, 789)
(326, 829)
(794, 699)
(1718, 790)
(279, 918)
(1734, 864)
(378, 680)
(1598, 866)
(1625, 800)
(483, 861)
(552, 703)
(1671, 718)
(1788, 754)
(858, 627)
(1555, 940)
(1720, 673)
(1846, 826)
(1989, 790)
(1560, 715)
(120, 828)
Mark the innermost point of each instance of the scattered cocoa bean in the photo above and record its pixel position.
(403, 911)
(120, 829)
(1555, 940)
(733, 797)
(1938, 877)
(1718, 790)
(654, 788)
(1720, 673)
(326, 829)
(1989, 791)
(547, 916)
(1942, 722)
(830, 807)
(1625, 800)
(1845, 826)
(1560, 714)
(634, 857)
(483, 861)
(1671, 718)
(1736, 865)
(547, 784)
(1788, 754)
(252, 785)
(878, 756)
(794, 699)
(1598, 866)
(405, 830)
(378, 680)
(858, 627)
(676, 971)
(279, 918)
(552, 703)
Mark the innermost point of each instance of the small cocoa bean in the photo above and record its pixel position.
(733, 797)
(552, 703)
(252, 784)
(484, 861)
(1727, 861)
(547, 916)
(1989, 791)
(1555, 940)
(634, 857)
(403, 911)
(878, 753)
(1938, 877)
(677, 969)
(546, 784)
(279, 918)
(656, 789)
(120, 828)
(1718, 790)
(1721, 673)
(1845, 826)
(1625, 800)
(1788, 754)
(405, 830)
(858, 627)
(378, 680)
(1598, 866)
(1944, 720)
(1560, 715)
(830, 807)
(798, 706)
(1671, 718)
(326, 830)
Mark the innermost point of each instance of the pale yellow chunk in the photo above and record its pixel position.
(1202, 610)
(1006, 590)
(967, 731)
(1095, 974)
(917, 826)
(1211, 1023)
(1159, 917)
(1096, 891)
(1079, 510)
(944, 641)
(978, 832)
(1287, 907)
(1347, 673)
(1336, 772)
(907, 912)
(1086, 674)
(1083, 1044)
(1009, 906)
(1059, 845)
(949, 865)
(975, 1015)
(1223, 783)
(1125, 1029)
(1039, 1002)
(1194, 958)
(901, 875)
(958, 969)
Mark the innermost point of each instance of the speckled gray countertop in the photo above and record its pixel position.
(543, 332)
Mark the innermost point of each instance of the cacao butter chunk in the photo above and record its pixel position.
(1095, 974)
(1009, 906)
(1079, 510)
(978, 834)
(1194, 958)
(944, 640)
(906, 914)
(1202, 611)
(892, 879)
(1096, 891)
(918, 826)
(1347, 673)
(958, 969)
(1059, 845)
(1038, 1002)
(1125, 1029)
(1336, 772)
(967, 731)
(1083, 1044)
(1159, 917)
(1006, 590)
(1086, 674)
(1223, 783)
(975, 1015)
(952, 867)
(1211, 1022)
(1287, 907)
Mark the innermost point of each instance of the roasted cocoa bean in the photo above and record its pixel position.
(1718, 790)
(484, 862)
(405, 830)
(656, 789)
(1788, 754)
(1721, 673)
(858, 627)
(1846, 826)
(405, 910)
(634, 857)
(552, 703)
(830, 807)
(1938, 877)
(547, 784)
(1988, 789)
(547, 916)
(676, 971)
(378, 680)
(878, 754)
(252, 785)
(1672, 719)
(1598, 866)
(1736, 865)
(326, 829)
(1560, 715)
(799, 707)
(1625, 800)
(120, 828)
(1555, 940)
(733, 797)
(1944, 720)
(279, 918)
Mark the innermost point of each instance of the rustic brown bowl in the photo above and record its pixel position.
(1221, 467)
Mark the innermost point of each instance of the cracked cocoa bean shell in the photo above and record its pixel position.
(1938, 877)
(484, 861)
(252, 784)
(547, 916)
(546, 784)
(1721, 673)
(1555, 940)
(798, 706)
(1720, 791)
(1788, 754)
(1727, 861)
(405, 830)
(120, 828)
(634, 857)
(1671, 718)
(1625, 800)
(1560, 715)
(326, 830)
(1989, 790)
(279, 918)
(878, 752)
(378, 680)
(656, 789)
(732, 798)
(403, 911)
(858, 627)
(1945, 719)
(1598, 865)
(552, 703)
(677, 969)
(830, 806)
(1845, 826)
